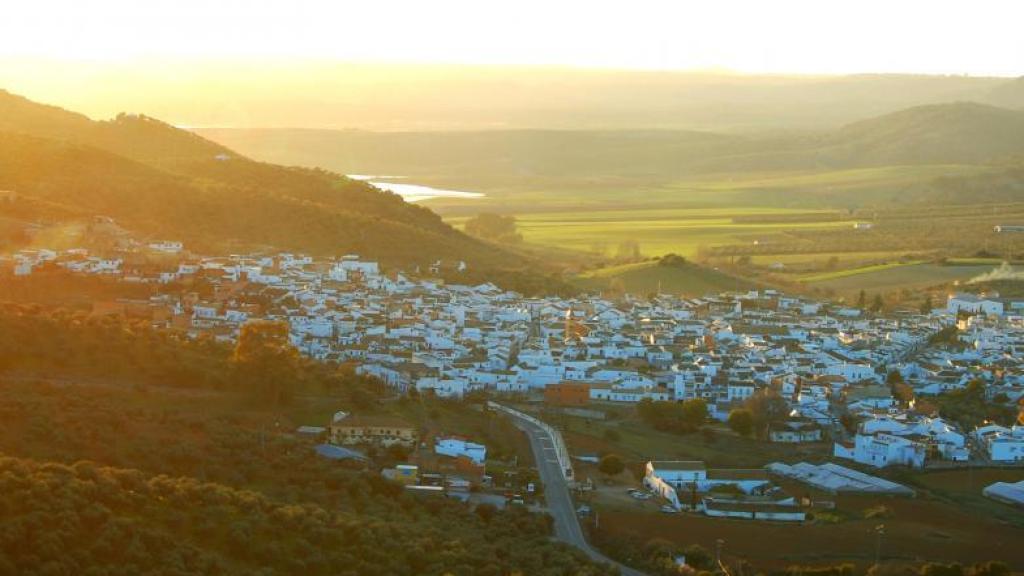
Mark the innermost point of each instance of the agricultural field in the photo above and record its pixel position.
(795, 190)
(681, 231)
(649, 277)
(896, 276)
(916, 529)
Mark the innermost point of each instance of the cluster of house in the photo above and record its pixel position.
(729, 493)
(415, 331)
(459, 462)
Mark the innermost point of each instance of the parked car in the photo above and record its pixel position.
(583, 510)
(641, 495)
(668, 509)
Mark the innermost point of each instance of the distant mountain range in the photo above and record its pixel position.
(953, 133)
(171, 183)
(423, 98)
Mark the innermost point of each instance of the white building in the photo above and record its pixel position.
(882, 450)
(973, 304)
(456, 447)
(1002, 444)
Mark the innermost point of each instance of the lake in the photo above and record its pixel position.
(412, 192)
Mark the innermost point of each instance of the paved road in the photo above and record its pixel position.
(556, 492)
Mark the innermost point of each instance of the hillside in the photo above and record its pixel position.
(951, 134)
(1009, 94)
(147, 453)
(654, 278)
(166, 182)
(957, 133)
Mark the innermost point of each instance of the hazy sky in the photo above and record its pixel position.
(978, 37)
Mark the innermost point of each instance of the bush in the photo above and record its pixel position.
(611, 465)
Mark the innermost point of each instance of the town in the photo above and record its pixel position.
(846, 379)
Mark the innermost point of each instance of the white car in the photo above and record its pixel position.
(641, 495)
(668, 509)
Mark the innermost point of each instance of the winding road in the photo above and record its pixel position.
(556, 492)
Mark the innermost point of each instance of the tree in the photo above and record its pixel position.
(494, 227)
(877, 304)
(741, 421)
(862, 299)
(767, 407)
(265, 360)
(900, 390)
(927, 305)
(611, 465)
(672, 260)
(694, 412)
(680, 418)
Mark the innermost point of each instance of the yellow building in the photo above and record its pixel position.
(379, 430)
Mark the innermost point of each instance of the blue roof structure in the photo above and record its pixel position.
(332, 452)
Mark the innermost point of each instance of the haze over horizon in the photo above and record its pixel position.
(110, 56)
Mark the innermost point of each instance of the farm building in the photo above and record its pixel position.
(1000, 228)
(1006, 492)
(754, 510)
(833, 478)
(795, 431)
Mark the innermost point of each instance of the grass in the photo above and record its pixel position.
(637, 442)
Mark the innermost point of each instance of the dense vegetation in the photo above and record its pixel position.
(194, 494)
(677, 417)
(124, 451)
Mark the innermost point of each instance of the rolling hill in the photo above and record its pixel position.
(952, 133)
(166, 182)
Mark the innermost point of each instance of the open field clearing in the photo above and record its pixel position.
(638, 442)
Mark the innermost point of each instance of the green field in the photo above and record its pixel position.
(837, 274)
(657, 232)
(886, 278)
(736, 193)
(649, 277)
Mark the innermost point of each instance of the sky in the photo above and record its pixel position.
(980, 37)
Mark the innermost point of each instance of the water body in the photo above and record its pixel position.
(412, 192)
